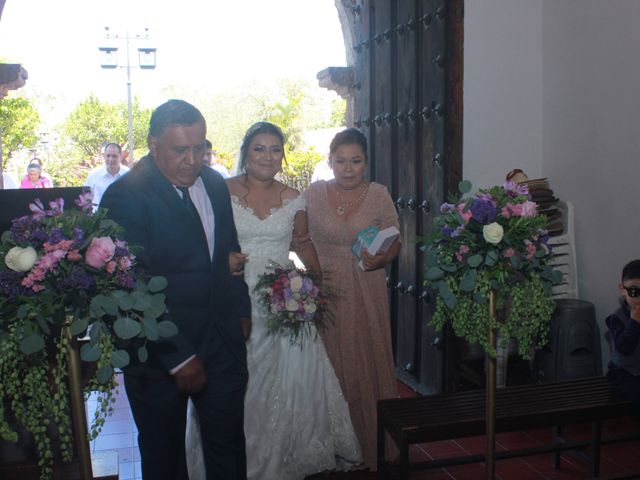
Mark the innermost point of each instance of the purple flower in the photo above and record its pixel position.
(125, 280)
(78, 279)
(447, 207)
(120, 251)
(55, 236)
(457, 231)
(27, 230)
(447, 230)
(483, 210)
(85, 202)
(10, 284)
(514, 189)
(78, 236)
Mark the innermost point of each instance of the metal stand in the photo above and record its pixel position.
(490, 404)
(78, 412)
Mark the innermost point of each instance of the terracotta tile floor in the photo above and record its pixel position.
(617, 461)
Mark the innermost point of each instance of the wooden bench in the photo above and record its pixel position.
(462, 414)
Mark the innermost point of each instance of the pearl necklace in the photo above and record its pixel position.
(342, 207)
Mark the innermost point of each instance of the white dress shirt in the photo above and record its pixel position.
(99, 179)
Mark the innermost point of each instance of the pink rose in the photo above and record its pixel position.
(509, 252)
(111, 266)
(99, 252)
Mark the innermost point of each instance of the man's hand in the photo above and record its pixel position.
(246, 327)
(191, 378)
(236, 263)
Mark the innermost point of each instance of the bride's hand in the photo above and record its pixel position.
(236, 263)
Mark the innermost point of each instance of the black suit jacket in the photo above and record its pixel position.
(203, 299)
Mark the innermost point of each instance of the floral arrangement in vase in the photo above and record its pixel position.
(493, 241)
(293, 300)
(66, 273)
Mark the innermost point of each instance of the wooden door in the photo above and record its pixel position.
(407, 100)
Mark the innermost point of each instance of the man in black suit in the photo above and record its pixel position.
(180, 213)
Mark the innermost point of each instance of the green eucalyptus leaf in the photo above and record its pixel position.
(143, 354)
(474, 261)
(95, 332)
(492, 258)
(157, 307)
(516, 262)
(540, 253)
(449, 267)
(167, 328)
(479, 298)
(104, 374)
(79, 326)
(464, 186)
(450, 301)
(468, 281)
(126, 327)
(434, 273)
(157, 284)
(125, 301)
(432, 258)
(22, 312)
(32, 344)
(142, 301)
(444, 290)
(556, 277)
(119, 359)
(90, 353)
(44, 325)
(151, 330)
(104, 303)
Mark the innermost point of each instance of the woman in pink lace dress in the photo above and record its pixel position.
(359, 341)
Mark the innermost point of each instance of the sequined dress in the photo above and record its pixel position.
(359, 341)
(296, 419)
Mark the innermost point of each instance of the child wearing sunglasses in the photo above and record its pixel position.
(624, 327)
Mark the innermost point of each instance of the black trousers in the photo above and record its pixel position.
(626, 385)
(160, 411)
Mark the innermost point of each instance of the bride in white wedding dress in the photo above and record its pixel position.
(296, 419)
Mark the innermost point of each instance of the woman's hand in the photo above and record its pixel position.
(236, 263)
(373, 262)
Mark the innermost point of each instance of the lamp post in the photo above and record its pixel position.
(146, 61)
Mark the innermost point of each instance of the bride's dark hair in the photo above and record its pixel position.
(256, 129)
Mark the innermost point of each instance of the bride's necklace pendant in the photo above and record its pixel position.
(340, 210)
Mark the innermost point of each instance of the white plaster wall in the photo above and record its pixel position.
(591, 134)
(502, 89)
(553, 87)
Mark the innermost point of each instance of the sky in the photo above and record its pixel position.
(201, 44)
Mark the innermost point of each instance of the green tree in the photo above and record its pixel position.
(19, 122)
(93, 122)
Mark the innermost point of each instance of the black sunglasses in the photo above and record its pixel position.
(632, 291)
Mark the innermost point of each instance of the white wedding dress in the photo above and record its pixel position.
(297, 422)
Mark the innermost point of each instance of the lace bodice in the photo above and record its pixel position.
(265, 239)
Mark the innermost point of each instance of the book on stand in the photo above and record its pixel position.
(374, 241)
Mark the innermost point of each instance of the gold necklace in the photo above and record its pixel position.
(342, 207)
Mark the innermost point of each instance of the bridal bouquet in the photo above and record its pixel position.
(293, 300)
(495, 241)
(66, 273)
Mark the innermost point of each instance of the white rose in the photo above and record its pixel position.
(291, 305)
(21, 259)
(493, 233)
(295, 284)
(310, 307)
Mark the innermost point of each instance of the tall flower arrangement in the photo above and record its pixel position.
(68, 269)
(496, 241)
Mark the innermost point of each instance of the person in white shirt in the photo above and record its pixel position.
(210, 160)
(101, 177)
